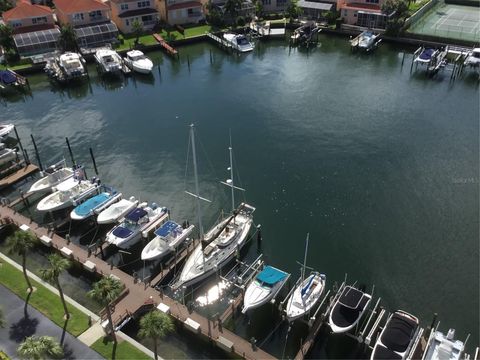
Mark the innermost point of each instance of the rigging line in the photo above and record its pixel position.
(238, 176)
(187, 162)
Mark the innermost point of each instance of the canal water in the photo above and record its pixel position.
(379, 164)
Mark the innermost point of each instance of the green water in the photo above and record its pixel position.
(380, 166)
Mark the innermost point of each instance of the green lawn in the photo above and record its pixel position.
(15, 66)
(415, 5)
(125, 351)
(43, 300)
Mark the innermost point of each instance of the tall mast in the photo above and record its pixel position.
(305, 257)
(231, 174)
(199, 210)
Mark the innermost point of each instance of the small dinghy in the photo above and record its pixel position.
(264, 287)
(348, 310)
(95, 204)
(6, 154)
(397, 337)
(136, 224)
(55, 175)
(117, 211)
(65, 197)
(6, 129)
(167, 238)
(443, 347)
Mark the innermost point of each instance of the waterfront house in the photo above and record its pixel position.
(33, 28)
(183, 11)
(125, 12)
(316, 10)
(274, 6)
(90, 19)
(363, 13)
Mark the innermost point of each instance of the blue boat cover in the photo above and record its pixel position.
(166, 228)
(122, 232)
(85, 208)
(427, 54)
(136, 214)
(7, 77)
(271, 276)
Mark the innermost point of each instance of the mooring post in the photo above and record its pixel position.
(188, 62)
(36, 153)
(403, 58)
(70, 151)
(159, 71)
(211, 61)
(25, 156)
(94, 162)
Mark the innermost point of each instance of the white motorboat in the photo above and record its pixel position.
(55, 175)
(137, 61)
(304, 33)
(222, 241)
(425, 56)
(116, 211)
(397, 337)
(6, 129)
(167, 238)
(95, 204)
(6, 154)
(66, 67)
(263, 287)
(136, 224)
(366, 41)
(443, 347)
(108, 61)
(66, 197)
(348, 309)
(239, 42)
(473, 58)
(307, 291)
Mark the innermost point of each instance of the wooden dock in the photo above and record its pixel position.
(138, 294)
(169, 49)
(222, 43)
(18, 175)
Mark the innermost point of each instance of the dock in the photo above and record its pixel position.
(221, 43)
(20, 174)
(137, 294)
(169, 49)
(266, 30)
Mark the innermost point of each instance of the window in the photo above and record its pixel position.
(143, 4)
(95, 14)
(127, 22)
(266, 2)
(345, 12)
(372, 1)
(281, 2)
(147, 18)
(123, 6)
(78, 17)
(16, 23)
(39, 20)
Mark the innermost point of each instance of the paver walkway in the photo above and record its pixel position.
(18, 327)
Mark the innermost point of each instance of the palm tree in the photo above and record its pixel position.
(57, 265)
(6, 37)
(2, 319)
(40, 347)
(19, 243)
(137, 28)
(104, 292)
(68, 37)
(155, 325)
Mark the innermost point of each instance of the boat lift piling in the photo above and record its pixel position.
(70, 152)
(93, 161)
(25, 155)
(37, 155)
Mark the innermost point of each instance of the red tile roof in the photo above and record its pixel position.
(78, 6)
(25, 10)
(360, 6)
(185, 5)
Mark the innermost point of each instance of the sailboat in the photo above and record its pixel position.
(307, 292)
(219, 244)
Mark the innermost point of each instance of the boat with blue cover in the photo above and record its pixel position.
(167, 238)
(137, 223)
(264, 287)
(95, 204)
(10, 79)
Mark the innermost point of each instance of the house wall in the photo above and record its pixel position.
(33, 21)
(181, 16)
(83, 18)
(125, 24)
(273, 6)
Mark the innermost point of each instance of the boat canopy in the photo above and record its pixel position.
(427, 54)
(351, 297)
(85, 208)
(166, 228)
(399, 333)
(7, 77)
(271, 275)
(136, 214)
(122, 232)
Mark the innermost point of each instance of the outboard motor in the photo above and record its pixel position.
(154, 206)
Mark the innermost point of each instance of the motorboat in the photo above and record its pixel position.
(443, 347)
(117, 211)
(397, 337)
(6, 154)
(10, 79)
(425, 56)
(264, 287)
(348, 309)
(6, 129)
(108, 61)
(473, 58)
(366, 41)
(304, 33)
(239, 42)
(167, 238)
(67, 66)
(95, 204)
(219, 245)
(66, 197)
(55, 174)
(306, 293)
(137, 61)
(136, 224)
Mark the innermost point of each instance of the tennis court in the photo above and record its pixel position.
(450, 21)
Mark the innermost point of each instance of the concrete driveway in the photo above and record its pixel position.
(20, 324)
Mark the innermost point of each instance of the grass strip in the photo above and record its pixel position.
(43, 300)
(125, 350)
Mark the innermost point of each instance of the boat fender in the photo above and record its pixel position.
(132, 198)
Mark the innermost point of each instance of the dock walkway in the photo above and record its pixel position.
(18, 175)
(170, 50)
(139, 294)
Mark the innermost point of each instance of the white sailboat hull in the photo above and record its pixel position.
(298, 305)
